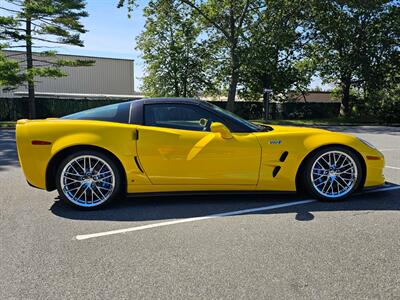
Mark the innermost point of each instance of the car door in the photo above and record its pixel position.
(176, 147)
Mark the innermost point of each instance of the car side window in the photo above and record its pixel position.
(178, 116)
(112, 113)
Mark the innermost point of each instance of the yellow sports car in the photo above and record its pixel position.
(184, 145)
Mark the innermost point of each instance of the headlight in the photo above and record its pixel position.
(368, 144)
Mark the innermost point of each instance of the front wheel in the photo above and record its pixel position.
(88, 179)
(332, 173)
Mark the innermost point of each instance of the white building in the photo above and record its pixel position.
(107, 78)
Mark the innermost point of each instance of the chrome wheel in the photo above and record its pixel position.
(334, 174)
(87, 181)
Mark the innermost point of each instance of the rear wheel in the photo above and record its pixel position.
(332, 173)
(88, 180)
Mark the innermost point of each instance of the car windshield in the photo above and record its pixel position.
(253, 126)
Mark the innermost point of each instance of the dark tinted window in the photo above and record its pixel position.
(112, 113)
(179, 116)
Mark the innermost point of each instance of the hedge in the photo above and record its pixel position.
(12, 109)
(301, 110)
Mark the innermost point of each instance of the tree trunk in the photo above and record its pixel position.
(234, 79)
(345, 102)
(230, 105)
(266, 105)
(29, 66)
(232, 90)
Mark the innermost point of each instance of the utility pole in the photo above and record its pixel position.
(266, 92)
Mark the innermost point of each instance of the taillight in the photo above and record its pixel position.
(41, 143)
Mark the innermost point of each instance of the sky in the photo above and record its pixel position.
(112, 34)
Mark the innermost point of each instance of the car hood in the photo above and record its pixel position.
(297, 129)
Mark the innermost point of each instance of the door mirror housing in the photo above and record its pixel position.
(222, 129)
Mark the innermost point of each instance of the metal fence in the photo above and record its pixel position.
(12, 109)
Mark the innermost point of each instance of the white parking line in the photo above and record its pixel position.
(230, 213)
(390, 167)
(390, 149)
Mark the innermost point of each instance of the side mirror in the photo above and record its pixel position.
(222, 129)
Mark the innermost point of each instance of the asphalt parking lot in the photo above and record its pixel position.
(288, 249)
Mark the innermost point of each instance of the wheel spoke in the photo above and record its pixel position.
(319, 177)
(102, 181)
(101, 177)
(326, 182)
(70, 174)
(346, 172)
(103, 173)
(101, 193)
(72, 166)
(77, 162)
(92, 189)
(327, 163)
(95, 164)
(83, 192)
(337, 181)
(321, 183)
(348, 165)
(73, 182)
(344, 182)
(78, 189)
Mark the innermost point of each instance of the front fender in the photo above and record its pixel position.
(299, 144)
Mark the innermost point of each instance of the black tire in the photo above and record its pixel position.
(307, 182)
(111, 195)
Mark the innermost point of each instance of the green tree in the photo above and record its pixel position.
(226, 22)
(173, 54)
(355, 43)
(31, 24)
(9, 71)
(274, 50)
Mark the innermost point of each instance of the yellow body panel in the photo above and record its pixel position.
(172, 156)
(181, 160)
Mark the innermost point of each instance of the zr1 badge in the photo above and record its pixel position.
(275, 142)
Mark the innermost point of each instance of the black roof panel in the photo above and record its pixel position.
(170, 100)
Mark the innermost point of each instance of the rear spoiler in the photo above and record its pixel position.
(24, 121)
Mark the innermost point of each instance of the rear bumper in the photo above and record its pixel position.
(34, 186)
(33, 159)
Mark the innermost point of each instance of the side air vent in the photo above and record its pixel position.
(138, 164)
(283, 156)
(276, 171)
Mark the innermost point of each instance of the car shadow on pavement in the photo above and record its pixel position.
(179, 207)
(8, 150)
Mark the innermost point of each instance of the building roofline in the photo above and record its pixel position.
(80, 95)
(75, 55)
(314, 92)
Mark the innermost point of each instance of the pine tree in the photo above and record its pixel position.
(35, 24)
